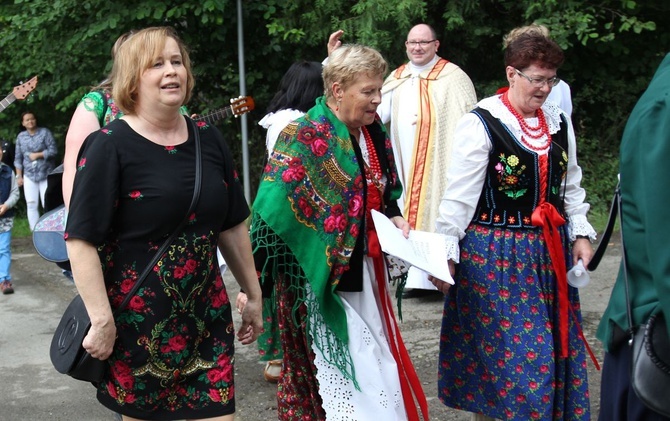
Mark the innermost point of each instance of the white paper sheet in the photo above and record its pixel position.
(424, 250)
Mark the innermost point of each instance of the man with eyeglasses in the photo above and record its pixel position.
(423, 100)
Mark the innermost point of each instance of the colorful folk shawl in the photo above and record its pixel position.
(307, 216)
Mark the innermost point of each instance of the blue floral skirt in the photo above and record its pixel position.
(497, 345)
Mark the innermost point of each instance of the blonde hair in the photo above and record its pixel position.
(106, 85)
(347, 62)
(532, 29)
(119, 41)
(136, 55)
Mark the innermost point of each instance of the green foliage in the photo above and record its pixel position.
(612, 49)
(21, 228)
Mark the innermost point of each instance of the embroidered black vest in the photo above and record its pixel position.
(511, 188)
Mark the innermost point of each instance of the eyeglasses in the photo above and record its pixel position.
(421, 43)
(539, 81)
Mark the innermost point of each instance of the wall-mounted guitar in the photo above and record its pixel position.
(48, 232)
(19, 92)
(238, 106)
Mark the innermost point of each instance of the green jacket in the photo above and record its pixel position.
(645, 192)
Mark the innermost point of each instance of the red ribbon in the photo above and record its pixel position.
(409, 380)
(547, 217)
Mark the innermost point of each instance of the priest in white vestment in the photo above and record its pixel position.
(423, 99)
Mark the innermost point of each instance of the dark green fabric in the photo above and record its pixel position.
(645, 192)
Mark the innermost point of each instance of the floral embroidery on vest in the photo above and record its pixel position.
(509, 175)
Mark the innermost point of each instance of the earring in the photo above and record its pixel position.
(337, 107)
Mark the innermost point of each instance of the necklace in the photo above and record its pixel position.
(537, 132)
(374, 165)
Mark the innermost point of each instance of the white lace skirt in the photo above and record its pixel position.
(379, 397)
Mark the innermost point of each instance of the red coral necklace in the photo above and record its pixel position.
(536, 132)
(372, 155)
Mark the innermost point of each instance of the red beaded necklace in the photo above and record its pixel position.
(532, 132)
(372, 155)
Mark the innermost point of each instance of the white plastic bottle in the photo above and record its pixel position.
(578, 276)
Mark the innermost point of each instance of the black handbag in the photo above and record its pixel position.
(650, 368)
(650, 376)
(67, 354)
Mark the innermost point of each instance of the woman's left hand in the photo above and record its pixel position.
(400, 222)
(252, 323)
(441, 285)
(581, 249)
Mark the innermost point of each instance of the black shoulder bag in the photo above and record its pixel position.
(650, 368)
(67, 354)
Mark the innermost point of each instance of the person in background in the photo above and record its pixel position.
(298, 90)
(315, 244)
(560, 94)
(9, 196)
(423, 99)
(7, 152)
(34, 159)
(96, 109)
(514, 217)
(170, 351)
(645, 178)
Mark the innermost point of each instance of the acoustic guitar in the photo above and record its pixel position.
(238, 106)
(19, 92)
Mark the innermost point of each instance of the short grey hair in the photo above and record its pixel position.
(347, 62)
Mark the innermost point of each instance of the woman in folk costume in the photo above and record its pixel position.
(514, 212)
(315, 244)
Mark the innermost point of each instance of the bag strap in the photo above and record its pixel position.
(605, 239)
(168, 241)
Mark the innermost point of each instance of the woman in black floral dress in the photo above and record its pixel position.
(170, 351)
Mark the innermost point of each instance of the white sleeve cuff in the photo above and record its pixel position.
(453, 250)
(579, 225)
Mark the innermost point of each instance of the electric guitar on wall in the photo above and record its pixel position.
(238, 106)
(19, 92)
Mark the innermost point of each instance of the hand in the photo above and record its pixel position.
(582, 249)
(99, 342)
(400, 222)
(334, 41)
(34, 156)
(252, 323)
(441, 286)
(19, 180)
(241, 302)
(3, 209)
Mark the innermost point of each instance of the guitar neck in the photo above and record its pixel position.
(7, 101)
(217, 115)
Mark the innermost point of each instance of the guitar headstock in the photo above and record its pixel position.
(22, 91)
(241, 105)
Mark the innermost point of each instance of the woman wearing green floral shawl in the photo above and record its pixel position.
(318, 255)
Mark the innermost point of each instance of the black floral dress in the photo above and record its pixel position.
(173, 358)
